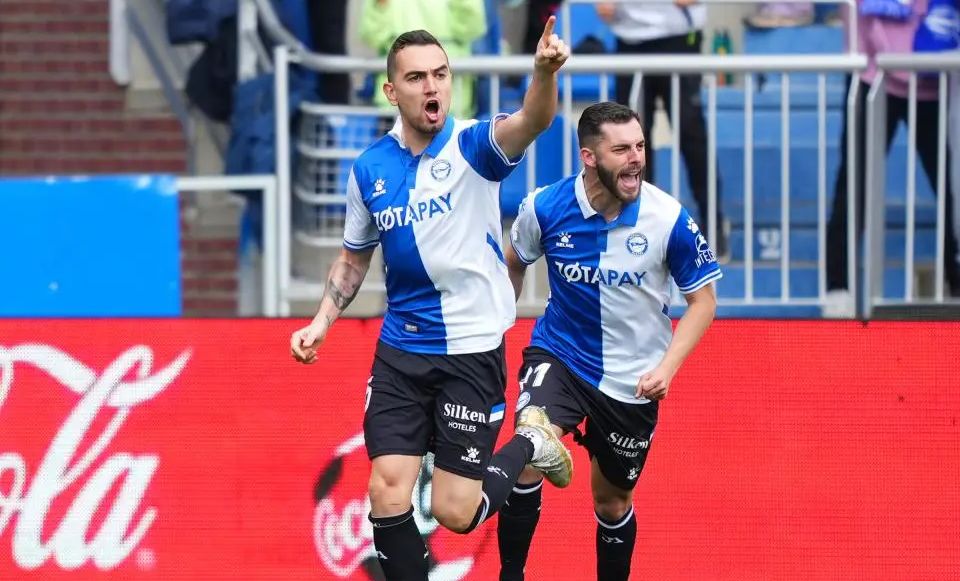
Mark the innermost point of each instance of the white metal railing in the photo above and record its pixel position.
(169, 64)
(666, 64)
(317, 218)
(567, 32)
(875, 186)
(267, 185)
(290, 51)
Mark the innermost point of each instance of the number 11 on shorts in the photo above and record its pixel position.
(539, 373)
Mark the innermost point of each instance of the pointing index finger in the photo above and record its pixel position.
(548, 28)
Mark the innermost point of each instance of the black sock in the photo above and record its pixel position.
(615, 542)
(501, 474)
(518, 521)
(400, 548)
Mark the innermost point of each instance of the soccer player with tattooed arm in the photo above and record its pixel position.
(428, 194)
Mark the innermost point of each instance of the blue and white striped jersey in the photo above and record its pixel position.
(607, 316)
(437, 217)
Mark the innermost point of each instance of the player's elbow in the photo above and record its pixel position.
(516, 279)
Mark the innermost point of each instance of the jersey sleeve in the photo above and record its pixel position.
(525, 232)
(483, 153)
(359, 232)
(692, 263)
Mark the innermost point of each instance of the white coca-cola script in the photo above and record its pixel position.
(124, 384)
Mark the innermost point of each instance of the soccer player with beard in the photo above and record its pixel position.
(604, 349)
(428, 193)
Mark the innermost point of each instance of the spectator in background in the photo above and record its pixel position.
(538, 12)
(328, 23)
(886, 27)
(455, 23)
(781, 15)
(650, 28)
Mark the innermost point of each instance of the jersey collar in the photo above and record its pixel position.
(627, 217)
(436, 144)
(581, 191)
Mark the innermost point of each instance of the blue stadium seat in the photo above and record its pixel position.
(766, 281)
(804, 247)
(803, 284)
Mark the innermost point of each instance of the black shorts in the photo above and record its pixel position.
(451, 405)
(617, 434)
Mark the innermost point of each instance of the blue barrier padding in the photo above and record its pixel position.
(89, 247)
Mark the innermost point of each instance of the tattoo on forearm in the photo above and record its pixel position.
(343, 284)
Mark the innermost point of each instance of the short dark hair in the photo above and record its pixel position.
(594, 116)
(410, 38)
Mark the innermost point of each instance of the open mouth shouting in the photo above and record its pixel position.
(629, 179)
(432, 110)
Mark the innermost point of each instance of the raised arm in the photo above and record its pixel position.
(343, 281)
(515, 133)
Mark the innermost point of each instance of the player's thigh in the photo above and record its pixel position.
(546, 382)
(398, 418)
(468, 411)
(618, 437)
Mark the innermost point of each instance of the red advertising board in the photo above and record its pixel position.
(184, 450)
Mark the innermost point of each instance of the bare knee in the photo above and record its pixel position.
(456, 516)
(455, 500)
(612, 506)
(390, 491)
(388, 497)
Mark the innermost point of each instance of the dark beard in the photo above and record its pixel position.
(609, 181)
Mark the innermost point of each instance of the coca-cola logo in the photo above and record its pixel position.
(122, 477)
(343, 534)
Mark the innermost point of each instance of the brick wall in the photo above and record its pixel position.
(61, 113)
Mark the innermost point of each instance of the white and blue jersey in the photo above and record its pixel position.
(437, 217)
(607, 317)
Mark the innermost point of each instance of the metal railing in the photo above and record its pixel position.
(290, 51)
(669, 65)
(876, 171)
(267, 185)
